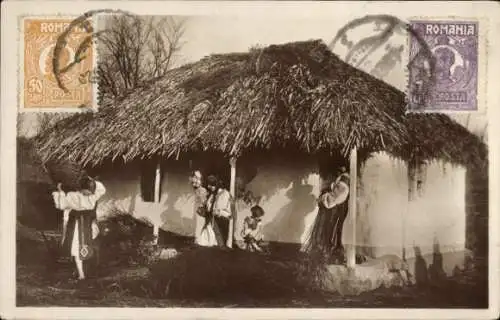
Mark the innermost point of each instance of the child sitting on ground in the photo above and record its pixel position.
(252, 230)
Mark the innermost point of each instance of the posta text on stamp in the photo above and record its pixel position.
(444, 79)
(41, 87)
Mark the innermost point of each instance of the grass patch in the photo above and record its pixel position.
(213, 277)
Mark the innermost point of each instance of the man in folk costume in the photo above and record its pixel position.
(204, 234)
(219, 209)
(80, 228)
(326, 234)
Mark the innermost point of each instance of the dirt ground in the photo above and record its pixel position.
(130, 286)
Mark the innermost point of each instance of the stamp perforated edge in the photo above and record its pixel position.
(20, 70)
(481, 98)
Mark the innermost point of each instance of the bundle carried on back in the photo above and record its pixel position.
(66, 172)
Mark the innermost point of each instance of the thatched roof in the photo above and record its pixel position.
(298, 94)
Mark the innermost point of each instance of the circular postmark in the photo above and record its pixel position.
(64, 59)
(375, 43)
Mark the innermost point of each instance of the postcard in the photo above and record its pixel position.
(267, 159)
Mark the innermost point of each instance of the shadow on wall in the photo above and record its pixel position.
(470, 275)
(122, 187)
(279, 182)
(420, 271)
(433, 274)
(288, 224)
(177, 214)
(365, 225)
(265, 173)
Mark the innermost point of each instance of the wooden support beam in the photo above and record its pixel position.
(156, 229)
(351, 254)
(232, 191)
(157, 182)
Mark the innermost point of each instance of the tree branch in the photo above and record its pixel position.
(136, 50)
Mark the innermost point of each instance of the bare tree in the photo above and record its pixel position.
(134, 50)
(32, 123)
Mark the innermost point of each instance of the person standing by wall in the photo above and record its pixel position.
(80, 225)
(204, 234)
(219, 209)
(325, 237)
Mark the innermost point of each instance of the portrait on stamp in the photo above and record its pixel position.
(40, 86)
(454, 47)
(231, 166)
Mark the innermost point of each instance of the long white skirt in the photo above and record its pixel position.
(75, 244)
(204, 236)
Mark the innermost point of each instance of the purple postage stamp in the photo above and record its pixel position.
(443, 66)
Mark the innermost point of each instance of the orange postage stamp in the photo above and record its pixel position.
(57, 61)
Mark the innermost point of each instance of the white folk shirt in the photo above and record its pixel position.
(77, 200)
(255, 233)
(337, 196)
(222, 205)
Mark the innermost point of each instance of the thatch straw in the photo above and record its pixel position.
(297, 94)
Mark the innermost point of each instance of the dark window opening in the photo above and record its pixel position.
(148, 174)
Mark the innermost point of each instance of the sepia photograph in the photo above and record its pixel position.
(252, 161)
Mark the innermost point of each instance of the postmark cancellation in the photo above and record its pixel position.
(65, 86)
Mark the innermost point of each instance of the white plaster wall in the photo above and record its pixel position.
(387, 221)
(439, 213)
(289, 196)
(173, 213)
(289, 192)
(382, 200)
(176, 212)
(122, 188)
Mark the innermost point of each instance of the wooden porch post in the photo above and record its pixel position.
(232, 191)
(156, 228)
(351, 255)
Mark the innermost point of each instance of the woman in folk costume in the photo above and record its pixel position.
(326, 234)
(219, 209)
(204, 234)
(80, 227)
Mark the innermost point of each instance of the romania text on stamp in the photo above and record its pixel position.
(454, 45)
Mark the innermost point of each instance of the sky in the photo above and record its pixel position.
(205, 35)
